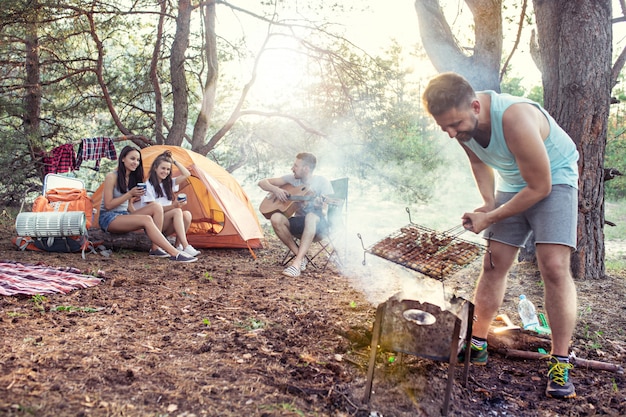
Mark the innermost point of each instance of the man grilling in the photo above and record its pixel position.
(536, 162)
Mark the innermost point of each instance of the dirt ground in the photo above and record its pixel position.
(230, 336)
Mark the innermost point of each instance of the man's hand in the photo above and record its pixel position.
(475, 222)
(281, 194)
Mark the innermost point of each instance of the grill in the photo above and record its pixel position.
(417, 327)
(432, 253)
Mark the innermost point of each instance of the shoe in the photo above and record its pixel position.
(158, 253)
(478, 356)
(559, 385)
(190, 250)
(303, 264)
(183, 257)
(291, 271)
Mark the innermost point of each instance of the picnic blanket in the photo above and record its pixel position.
(17, 278)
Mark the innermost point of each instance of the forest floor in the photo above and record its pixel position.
(230, 336)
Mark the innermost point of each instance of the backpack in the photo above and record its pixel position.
(64, 244)
(65, 199)
(57, 201)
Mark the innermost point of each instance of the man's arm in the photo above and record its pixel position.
(485, 180)
(273, 185)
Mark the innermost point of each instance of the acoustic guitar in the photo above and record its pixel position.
(271, 204)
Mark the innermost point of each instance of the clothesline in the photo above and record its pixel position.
(120, 139)
(63, 158)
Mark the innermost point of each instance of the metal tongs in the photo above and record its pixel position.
(455, 231)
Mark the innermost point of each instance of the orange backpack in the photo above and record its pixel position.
(65, 199)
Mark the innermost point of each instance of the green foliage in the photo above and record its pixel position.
(615, 157)
(371, 109)
(615, 211)
(19, 177)
(514, 87)
(360, 114)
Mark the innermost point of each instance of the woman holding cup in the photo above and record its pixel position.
(160, 191)
(122, 189)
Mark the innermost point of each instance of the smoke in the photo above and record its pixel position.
(373, 217)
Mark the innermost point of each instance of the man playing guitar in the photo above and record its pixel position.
(310, 216)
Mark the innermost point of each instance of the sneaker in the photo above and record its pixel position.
(183, 257)
(559, 385)
(478, 356)
(158, 253)
(190, 250)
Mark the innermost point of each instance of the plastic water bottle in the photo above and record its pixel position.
(527, 313)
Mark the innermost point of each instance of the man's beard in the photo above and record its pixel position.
(467, 135)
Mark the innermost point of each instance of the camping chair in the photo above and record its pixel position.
(337, 228)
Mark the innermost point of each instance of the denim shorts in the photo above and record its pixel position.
(553, 220)
(106, 217)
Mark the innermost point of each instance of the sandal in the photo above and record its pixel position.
(291, 271)
(303, 264)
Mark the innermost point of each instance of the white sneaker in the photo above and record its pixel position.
(190, 250)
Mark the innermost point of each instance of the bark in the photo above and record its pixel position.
(201, 126)
(154, 77)
(177, 72)
(33, 83)
(99, 70)
(575, 43)
(482, 66)
(32, 99)
(137, 241)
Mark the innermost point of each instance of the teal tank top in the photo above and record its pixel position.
(560, 147)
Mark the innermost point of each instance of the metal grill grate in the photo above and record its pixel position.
(432, 253)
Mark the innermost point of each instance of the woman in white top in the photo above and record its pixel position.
(160, 190)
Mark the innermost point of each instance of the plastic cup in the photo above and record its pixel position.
(142, 185)
(182, 197)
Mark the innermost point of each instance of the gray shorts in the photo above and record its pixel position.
(553, 220)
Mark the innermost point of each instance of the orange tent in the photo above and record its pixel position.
(222, 215)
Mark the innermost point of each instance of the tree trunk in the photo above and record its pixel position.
(177, 70)
(482, 66)
(154, 76)
(137, 241)
(201, 126)
(575, 42)
(32, 99)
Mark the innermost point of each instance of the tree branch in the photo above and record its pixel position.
(520, 26)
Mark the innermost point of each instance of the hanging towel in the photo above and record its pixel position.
(60, 159)
(95, 149)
